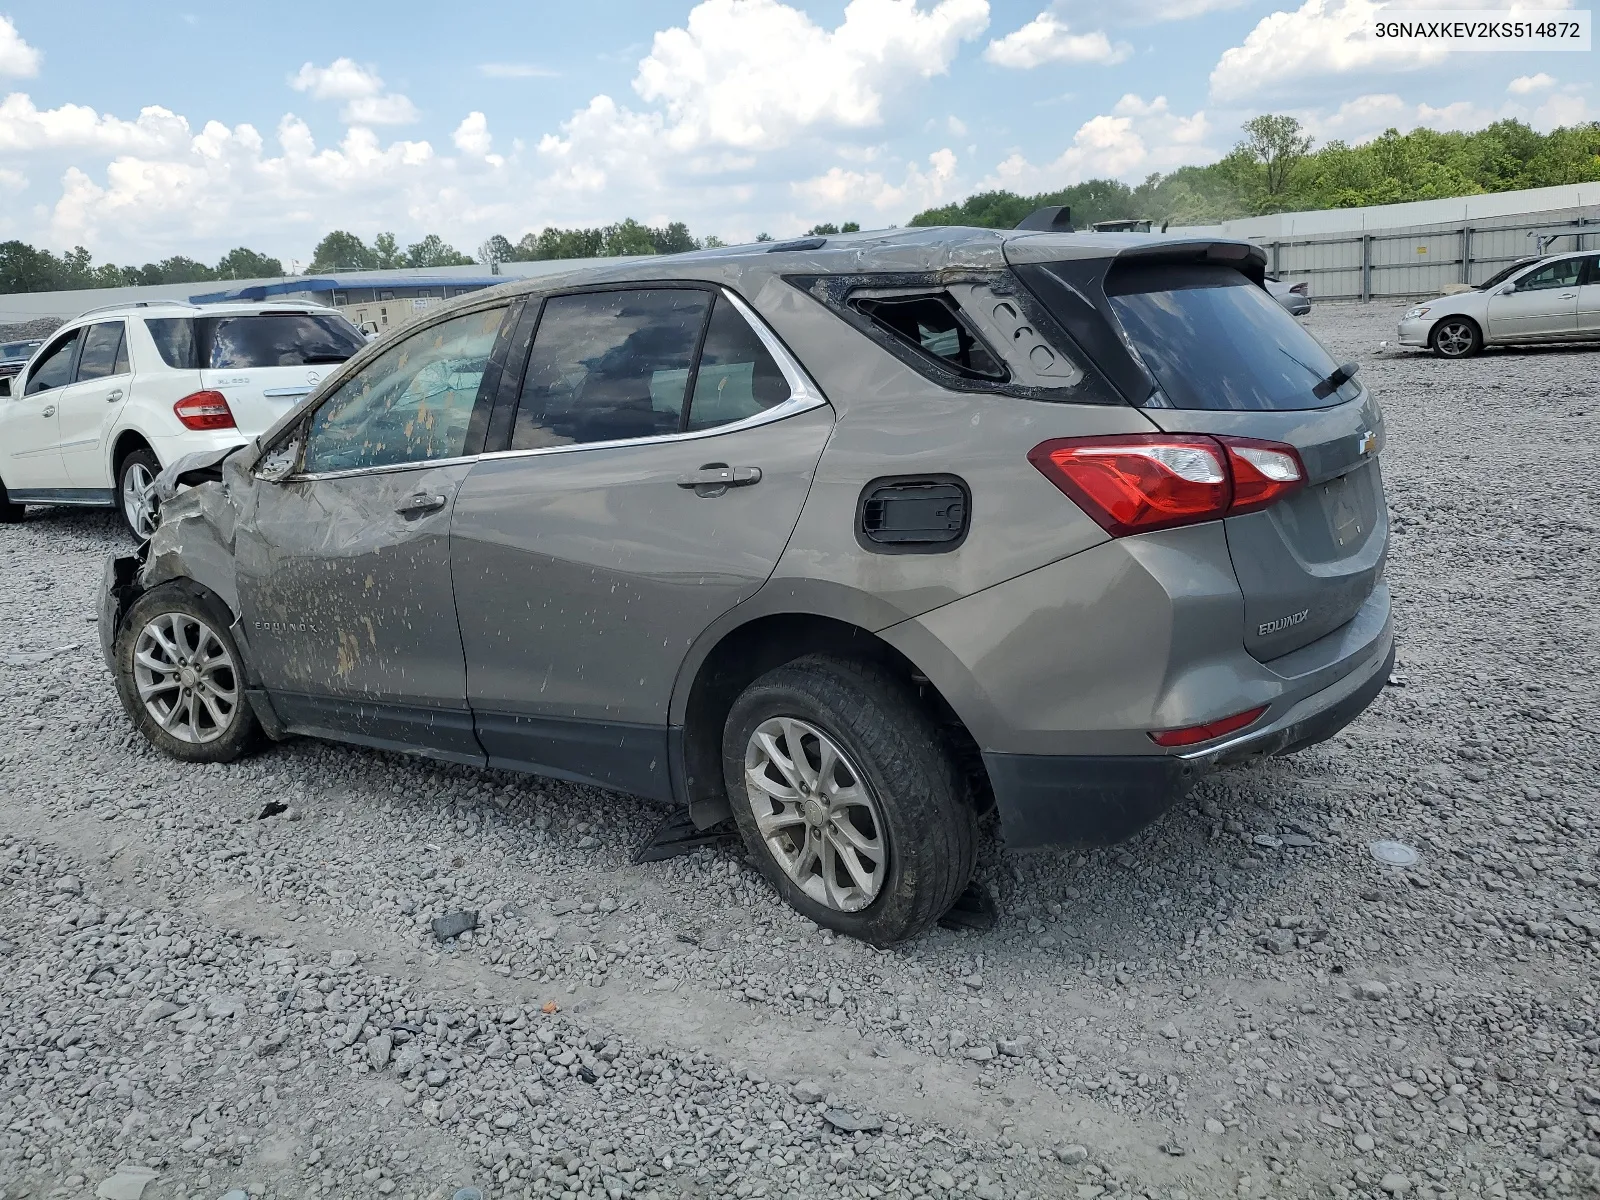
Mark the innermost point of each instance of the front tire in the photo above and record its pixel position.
(136, 494)
(181, 679)
(846, 794)
(1456, 337)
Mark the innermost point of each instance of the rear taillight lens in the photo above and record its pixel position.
(1263, 472)
(1137, 483)
(1299, 289)
(1142, 482)
(204, 410)
(1192, 735)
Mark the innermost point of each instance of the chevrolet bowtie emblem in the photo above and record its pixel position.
(1368, 443)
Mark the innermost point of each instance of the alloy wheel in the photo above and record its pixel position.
(816, 814)
(139, 500)
(186, 677)
(1454, 339)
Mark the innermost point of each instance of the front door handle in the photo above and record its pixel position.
(113, 397)
(420, 504)
(49, 411)
(715, 478)
(1567, 296)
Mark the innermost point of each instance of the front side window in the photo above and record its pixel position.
(609, 366)
(55, 365)
(413, 403)
(737, 376)
(1556, 275)
(103, 354)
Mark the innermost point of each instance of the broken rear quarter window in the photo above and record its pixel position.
(933, 325)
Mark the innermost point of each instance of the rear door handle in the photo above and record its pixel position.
(715, 478)
(420, 504)
(113, 397)
(1567, 296)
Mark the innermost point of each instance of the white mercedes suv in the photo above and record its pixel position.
(118, 393)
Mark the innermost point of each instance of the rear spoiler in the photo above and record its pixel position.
(1054, 218)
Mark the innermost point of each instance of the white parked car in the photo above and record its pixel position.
(1551, 299)
(118, 393)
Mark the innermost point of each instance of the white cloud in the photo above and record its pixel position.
(840, 193)
(1523, 84)
(16, 56)
(366, 103)
(24, 127)
(1134, 139)
(1047, 39)
(473, 139)
(1325, 38)
(1139, 12)
(515, 71)
(1566, 109)
(750, 74)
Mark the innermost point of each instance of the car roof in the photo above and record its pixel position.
(919, 250)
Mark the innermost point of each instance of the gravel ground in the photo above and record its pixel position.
(200, 997)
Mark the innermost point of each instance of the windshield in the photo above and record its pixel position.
(1214, 340)
(254, 340)
(12, 350)
(1506, 273)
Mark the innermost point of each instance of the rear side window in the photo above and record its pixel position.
(1214, 340)
(609, 366)
(103, 354)
(174, 339)
(55, 365)
(932, 324)
(737, 377)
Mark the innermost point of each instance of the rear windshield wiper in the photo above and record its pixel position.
(1335, 380)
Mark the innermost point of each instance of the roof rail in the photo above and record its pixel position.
(1053, 218)
(132, 304)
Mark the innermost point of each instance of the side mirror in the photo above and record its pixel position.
(282, 460)
(1507, 289)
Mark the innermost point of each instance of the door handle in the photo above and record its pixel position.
(715, 478)
(49, 411)
(113, 397)
(420, 504)
(1567, 296)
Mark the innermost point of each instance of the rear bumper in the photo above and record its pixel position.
(1071, 800)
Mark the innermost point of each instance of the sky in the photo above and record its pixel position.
(141, 130)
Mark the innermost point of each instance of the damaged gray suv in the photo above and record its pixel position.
(852, 539)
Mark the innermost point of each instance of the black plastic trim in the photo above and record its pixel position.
(445, 733)
(887, 482)
(619, 756)
(1077, 801)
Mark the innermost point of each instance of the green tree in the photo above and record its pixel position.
(850, 227)
(496, 248)
(434, 251)
(673, 239)
(820, 230)
(386, 252)
(628, 237)
(342, 251)
(243, 263)
(1277, 143)
(713, 242)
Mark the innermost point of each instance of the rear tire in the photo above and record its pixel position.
(136, 478)
(181, 678)
(10, 513)
(880, 843)
(1456, 337)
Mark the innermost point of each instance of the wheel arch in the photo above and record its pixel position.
(124, 443)
(1475, 322)
(735, 652)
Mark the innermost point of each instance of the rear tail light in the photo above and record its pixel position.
(1143, 482)
(1191, 735)
(204, 410)
(1263, 472)
(1299, 289)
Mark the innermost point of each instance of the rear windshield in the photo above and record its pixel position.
(254, 340)
(1215, 340)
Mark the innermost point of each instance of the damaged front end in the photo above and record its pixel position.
(194, 540)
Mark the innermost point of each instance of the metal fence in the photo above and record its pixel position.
(1423, 260)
